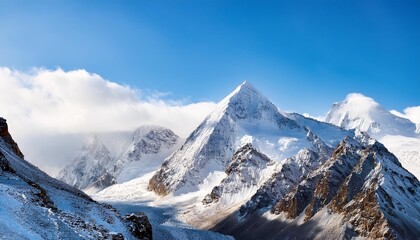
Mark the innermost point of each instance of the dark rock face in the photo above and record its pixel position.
(280, 183)
(240, 158)
(105, 181)
(5, 135)
(153, 141)
(242, 173)
(4, 164)
(140, 226)
(349, 184)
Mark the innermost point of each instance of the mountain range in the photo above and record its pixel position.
(398, 134)
(116, 157)
(248, 170)
(273, 170)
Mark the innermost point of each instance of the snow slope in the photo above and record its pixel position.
(133, 196)
(37, 206)
(398, 134)
(108, 158)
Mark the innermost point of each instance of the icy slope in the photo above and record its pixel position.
(109, 158)
(244, 116)
(36, 206)
(329, 133)
(398, 134)
(406, 149)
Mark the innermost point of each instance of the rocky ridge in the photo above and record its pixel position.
(40, 207)
(107, 159)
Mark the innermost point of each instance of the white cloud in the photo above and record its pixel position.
(412, 113)
(49, 111)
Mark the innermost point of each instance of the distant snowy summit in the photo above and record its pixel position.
(398, 134)
(110, 158)
(361, 112)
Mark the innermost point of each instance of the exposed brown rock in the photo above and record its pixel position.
(156, 184)
(43, 197)
(5, 135)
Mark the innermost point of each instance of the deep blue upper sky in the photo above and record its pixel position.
(304, 55)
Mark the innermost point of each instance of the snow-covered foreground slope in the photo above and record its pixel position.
(165, 214)
(36, 206)
(109, 158)
(398, 134)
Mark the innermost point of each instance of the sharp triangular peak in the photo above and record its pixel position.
(246, 84)
(359, 98)
(243, 87)
(245, 91)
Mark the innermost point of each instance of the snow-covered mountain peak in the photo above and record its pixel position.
(244, 116)
(360, 112)
(360, 100)
(119, 156)
(242, 88)
(245, 102)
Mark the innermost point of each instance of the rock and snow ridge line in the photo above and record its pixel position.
(238, 121)
(110, 158)
(359, 182)
(37, 206)
(244, 116)
(398, 134)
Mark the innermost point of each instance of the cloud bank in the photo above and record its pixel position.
(50, 111)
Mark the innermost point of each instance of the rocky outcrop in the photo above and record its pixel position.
(4, 164)
(104, 181)
(157, 182)
(244, 173)
(140, 226)
(364, 184)
(281, 182)
(5, 135)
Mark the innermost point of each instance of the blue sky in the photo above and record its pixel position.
(304, 55)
